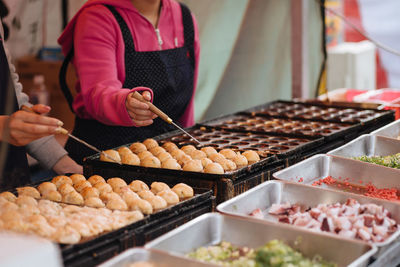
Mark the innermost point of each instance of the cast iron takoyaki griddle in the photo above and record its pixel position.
(265, 145)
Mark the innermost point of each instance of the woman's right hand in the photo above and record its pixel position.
(22, 127)
(139, 111)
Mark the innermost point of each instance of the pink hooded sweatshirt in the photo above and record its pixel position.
(99, 56)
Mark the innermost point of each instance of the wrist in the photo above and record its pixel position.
(3, 127)
(67, 165)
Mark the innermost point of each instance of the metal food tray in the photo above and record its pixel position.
(210, 229)
(275, 192)
(391, 130)
(159, 258)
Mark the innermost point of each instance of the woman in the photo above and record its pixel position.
(122, 46)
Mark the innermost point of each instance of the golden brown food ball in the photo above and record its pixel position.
(157, 202)
(137, 148)
(9, 206)
(152, 162)
(67, 235)
(116, 204)
(145, 154)
(157, 150)
(176, 154)
(231, 165)
(65, 189)
(252, 156)
(82, 185)
(28, 191)
(169, 146)
(209, 150)
(217, 157)
(214, 168)
(127, 194)
(109, 195)
(171, 164)
(116, 183)
(183, 191)
(94, 179)
(193, 166)
(205, 162)
(89, 192)
(26, 200)
(94, 202)
(169, 196)
(130, 159)
(60, 180)
(140, 204)
(46, 187)
(188, 149)
(9, 196)
(124, 150)
(77, 178)
(164, 156)
(184, 159)
(150, 143)
(198, 154)
(73, 198)
(113, 156)
(228, 153)
(53, 196)
(158, 187)
(10, 215)
(137, 186)
(103, 187)
(145, 194)
(240, 160)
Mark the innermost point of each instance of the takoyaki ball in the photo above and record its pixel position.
(176, 154)
(252, 156)
(52, 195)
(137, 148)
(164, 156)
(67, 235)
(113, 156)
(158, 187)
(214, 168)
(152, 162)
(227, 165)
(140, 204)
(127, 194)
(77, 178)
(205, 162)
(183, 191)
(145, 194)
(124, 150)
(157, 150)
(198, 154)
(209, 150)
(103, 187)
(9, 196)
(188, 149)
(116, 183)
(130, 159)
(3, 200)
(145, 154)
(169, 146)
(25, 200)
(107, 196)
(9, 206)
(240, 160)
(65, 189)
(82, 185)
(171, 164)
(10, 215)
(94, 202)
(150, 143)
(228, 153)
(28, 191)
(89, 192)
(169, 196)
(217, 157)
(73, 198)
(116, 204)
(184, 159)
(157, 202)
(60, 180)
(193, 166)
(46, 187)
(137, 186)
(94, 179)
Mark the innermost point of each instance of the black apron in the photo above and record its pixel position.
(16, 171)
(169, 73)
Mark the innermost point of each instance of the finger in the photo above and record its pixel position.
(41, 109)
(21, 138)
(31, 128)
(146, 95)
(36, 118)
(154, 116)
(143, 123)
(135, 116)
(134, 103)
(142, 112)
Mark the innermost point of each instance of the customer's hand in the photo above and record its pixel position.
(139, 111)
(67, 165)
(22, 127)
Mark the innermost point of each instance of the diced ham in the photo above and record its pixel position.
(283, 219)
(348, 233)
(302, 220)
(342, 223)
(381, 231)
(368, 220)
(315, 212)
(363, 234)
(257, 213)
(278, 209)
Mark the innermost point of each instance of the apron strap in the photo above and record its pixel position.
(62, 78)
(188, 31)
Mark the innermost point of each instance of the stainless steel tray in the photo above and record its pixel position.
(268, 193)
(391, 130)
(212, 228)
(321, 166)
(159, 258)
(368, 145)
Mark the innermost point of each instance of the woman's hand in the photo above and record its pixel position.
(21, 127)
(67, 165)
(139, 111)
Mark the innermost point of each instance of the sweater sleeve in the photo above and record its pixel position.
(95, 42)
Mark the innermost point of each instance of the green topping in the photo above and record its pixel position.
(392, 161)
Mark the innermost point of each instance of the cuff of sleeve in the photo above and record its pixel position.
(125, 115)
(47, 151)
